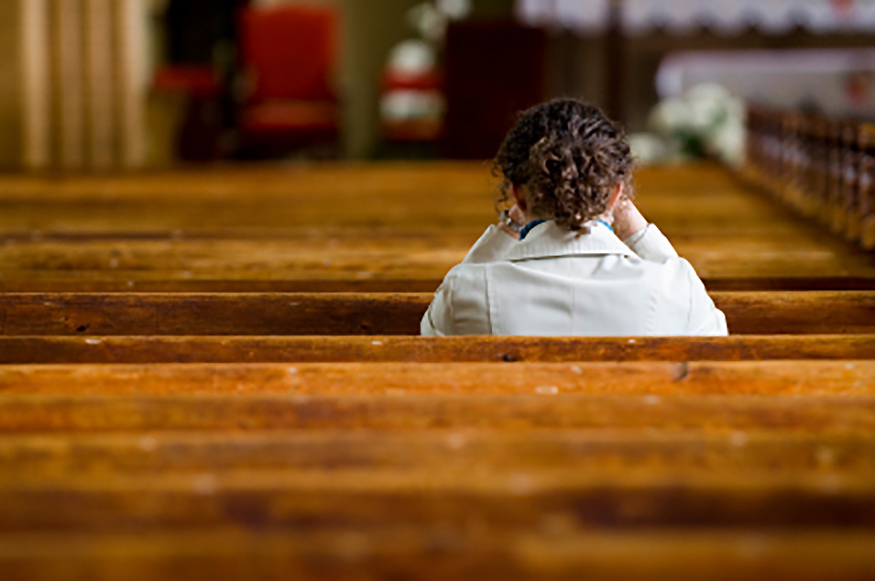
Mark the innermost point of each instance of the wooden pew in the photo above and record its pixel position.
(360, 228)
(553, 551)
(194, 436)
(748, 313)
(361, 498)
(823, 167)
(59, 456)
(181, 282)
(810, 378)
(773, 261)
(235, 349)
(71, 414)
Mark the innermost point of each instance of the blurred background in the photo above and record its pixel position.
(110, 85)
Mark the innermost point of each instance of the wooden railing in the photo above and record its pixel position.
(824, 167)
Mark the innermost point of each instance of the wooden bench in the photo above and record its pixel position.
(553, 550)
(180, 282)
(823, 167)
(290, 432)
(83, 454)
(236, 349)
(270, 412)
(361, 498)
(386, 227)
(853, 378)
(748, 313)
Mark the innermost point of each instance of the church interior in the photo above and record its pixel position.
(221, 223)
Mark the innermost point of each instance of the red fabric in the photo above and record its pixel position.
(416, 130)
(291, 51)
(197, 81)
(432, 80)
(291, 116)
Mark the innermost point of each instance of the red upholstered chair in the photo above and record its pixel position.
(289, 54)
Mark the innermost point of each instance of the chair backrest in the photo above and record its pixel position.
(291, 50)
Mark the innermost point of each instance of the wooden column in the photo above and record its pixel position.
(100, 109)
(615, 62)
(69, 89)
(130, 50)
(36, 109)
(82, 83)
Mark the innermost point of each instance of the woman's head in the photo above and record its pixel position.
(569, 159)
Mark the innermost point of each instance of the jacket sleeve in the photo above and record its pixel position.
(438, 319)
(460, 305)
(705, 319)
(651, 244)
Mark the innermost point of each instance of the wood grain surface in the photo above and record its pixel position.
(792, 378)
(747, 313)
(306, 349)
(57, 456)
(102, 413)
(556, 549)
(299, 227)
(215, 374)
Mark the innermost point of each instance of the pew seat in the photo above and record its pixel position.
(380, 348)
(804, 378)
(217, 375)
(747, 313)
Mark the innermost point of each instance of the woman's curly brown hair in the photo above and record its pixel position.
(570, 156)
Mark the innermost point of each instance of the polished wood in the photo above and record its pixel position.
(819, 166)
(810, 378)
(266, 412)
(206, 406)
(366, 282)
(234, 349)
(319, 498)
(747, 313)
(274, 228)
(556, 549)
(57, 456)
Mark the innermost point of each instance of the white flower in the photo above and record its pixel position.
(412, 57)
(670, 116)
(407, 104)
(647, 148)
(728, 141)
(708, 119)
(430, 22)
(455, 9)
(708, 106)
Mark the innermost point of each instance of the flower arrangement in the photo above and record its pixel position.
(413, 99)
(706, 121)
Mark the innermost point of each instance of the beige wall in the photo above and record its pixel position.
(10, 95)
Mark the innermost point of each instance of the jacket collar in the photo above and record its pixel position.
(548, 240)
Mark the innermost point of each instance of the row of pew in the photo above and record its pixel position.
(821, 166)
(217, 375)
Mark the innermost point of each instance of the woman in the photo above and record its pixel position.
(574, 256)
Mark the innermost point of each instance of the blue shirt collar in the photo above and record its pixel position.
(529, 227)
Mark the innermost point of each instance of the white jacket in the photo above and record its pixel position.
(556, 282)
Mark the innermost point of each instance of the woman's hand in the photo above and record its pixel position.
(518, 218)
(627, 219)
